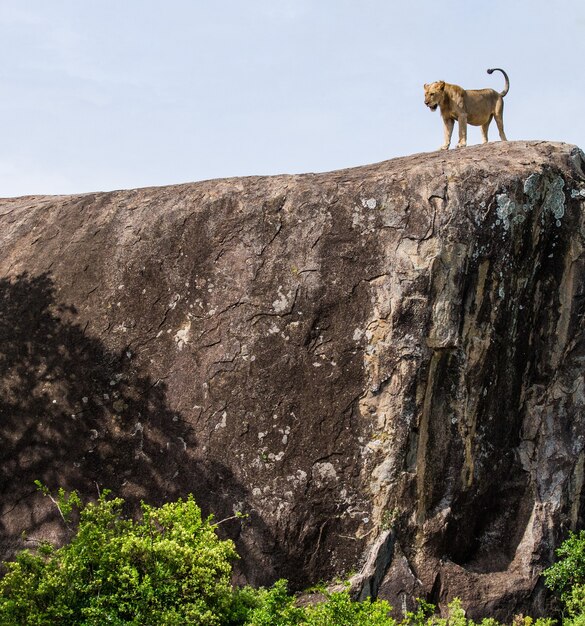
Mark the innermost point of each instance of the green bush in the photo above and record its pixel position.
(420, 617)
(567, 578)
(568, 573)
(275, 607)
(170, 568)
(575, 602)
(167, 568)
(340, 609)
(456, 616)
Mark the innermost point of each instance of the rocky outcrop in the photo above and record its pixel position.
(383, 366)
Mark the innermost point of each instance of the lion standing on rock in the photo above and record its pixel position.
(467, 106)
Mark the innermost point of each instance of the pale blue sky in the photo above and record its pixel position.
(108, 94)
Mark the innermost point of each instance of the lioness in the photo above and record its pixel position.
(467, 106)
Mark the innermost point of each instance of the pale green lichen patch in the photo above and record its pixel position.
(549, 190)
(508, 211)
(554, 197)
(546, 190)
(532, 187)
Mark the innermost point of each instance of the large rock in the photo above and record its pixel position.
(383, 366)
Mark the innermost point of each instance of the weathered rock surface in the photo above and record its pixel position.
(382, 365)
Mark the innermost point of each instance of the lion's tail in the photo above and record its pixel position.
(507, 87)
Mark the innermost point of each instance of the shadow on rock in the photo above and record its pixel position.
(76, 415)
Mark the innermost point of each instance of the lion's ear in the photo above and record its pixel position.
(441, 84)
(425, 86)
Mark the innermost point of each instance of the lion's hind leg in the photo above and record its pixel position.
(499, 116)
(484, 129)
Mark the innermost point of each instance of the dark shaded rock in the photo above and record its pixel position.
(401, 585)
(396, 347)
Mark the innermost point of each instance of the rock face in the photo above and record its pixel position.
(383, 366)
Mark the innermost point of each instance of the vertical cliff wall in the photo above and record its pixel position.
(383, 366)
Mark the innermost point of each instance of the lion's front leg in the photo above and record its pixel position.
(462, 130)
(448, 128)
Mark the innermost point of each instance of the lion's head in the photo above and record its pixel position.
(434, 94)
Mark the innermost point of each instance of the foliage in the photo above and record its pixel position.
(567, 575)
(167, 568)
(425, 616)
(578, 620)
(575, 602)
(66, 502)
(276, 607)
(567, 578)
(456, 616)
(424, 610)
(340, 609)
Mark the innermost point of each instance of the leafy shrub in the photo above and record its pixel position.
(567, 578)
(420, 617)
(340, 609)
(567, 575)
(167, 568)
(275, 607)
(575, 602)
